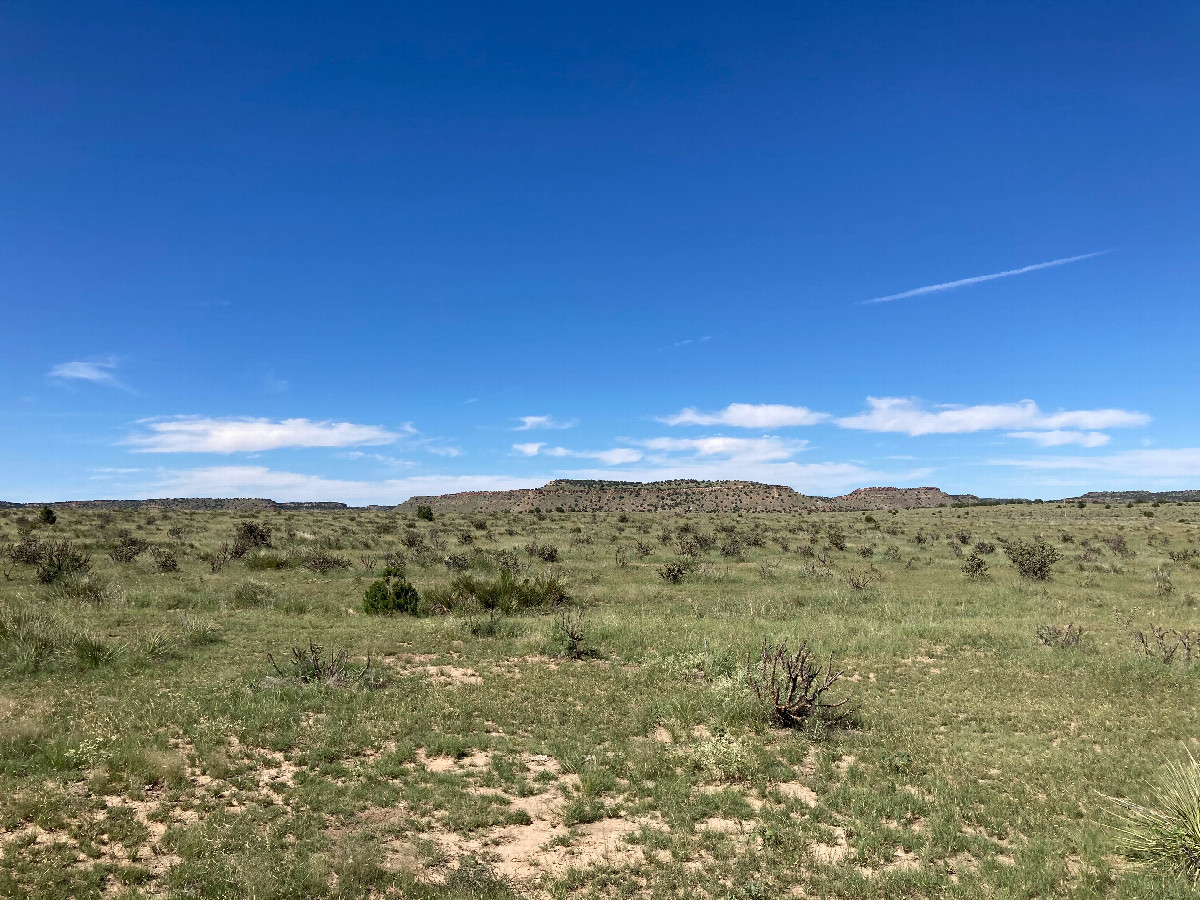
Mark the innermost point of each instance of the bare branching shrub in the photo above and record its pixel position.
(1032, 559)
(860, 581)
(568, 625)
(1166, 644)
(983, 548)
(413, 540)
(1163, 584)
(456, 562)
(1118, 545)
(963, 537)
(793, 686)
(642, 549)
(1060, 637)
(866, 551)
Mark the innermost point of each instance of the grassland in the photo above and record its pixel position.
(149, 746)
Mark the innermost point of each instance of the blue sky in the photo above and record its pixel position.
(361, 251)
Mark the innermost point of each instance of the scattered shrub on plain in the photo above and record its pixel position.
(1060, 637)
(1032, 559)
(391, 594)
(793, 686)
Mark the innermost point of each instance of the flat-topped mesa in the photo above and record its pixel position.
(899, 498)
(683, 495)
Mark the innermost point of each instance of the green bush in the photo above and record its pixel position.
(391, 594)
(46, 516)
(1032, 559)
(424, 511)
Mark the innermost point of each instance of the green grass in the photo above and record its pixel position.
(149, 748)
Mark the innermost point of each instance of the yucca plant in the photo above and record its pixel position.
(1165, 836)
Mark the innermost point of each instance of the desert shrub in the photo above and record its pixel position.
(975, 567)
(267, 559)
(28, 551)
(251, 593)
(413, 541)
(733, 548)
(1032, 559)
(1164, 836)
(793, 686)
(46, 516)
(568, 627)
(1166, 644)
(165, 559)
(425, 512)
(250, 536)
(860, 581)
(836, 537)
(1060, 637)
(672, 572)
(391, 594)
(866, 551)
(892, 554)
(218, 559)
(457, 562)
(506, 593)
(642, 549)
(963, 537)
(127, 549)
(311, 665)
(983, 548)
(322, 561)
(1118, 545)
(59, 559)
(545, 552)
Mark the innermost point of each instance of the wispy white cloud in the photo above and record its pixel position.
(194, 434)
(615, 457)
(1061, 437)
(1142, 465)
(548, 423)
(901, 414)
(742, 450)
(261, 481)
(101, 372)
(977, 279)
(749, 415)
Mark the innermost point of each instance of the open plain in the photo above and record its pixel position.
(204, 708)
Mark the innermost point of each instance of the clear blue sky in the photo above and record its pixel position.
(360, 251)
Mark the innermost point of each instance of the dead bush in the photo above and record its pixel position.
(793, 686)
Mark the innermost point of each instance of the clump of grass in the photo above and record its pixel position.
(252, 593)
(1166, 835)
(311, 665)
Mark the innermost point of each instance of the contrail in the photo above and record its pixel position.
(963, 282)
